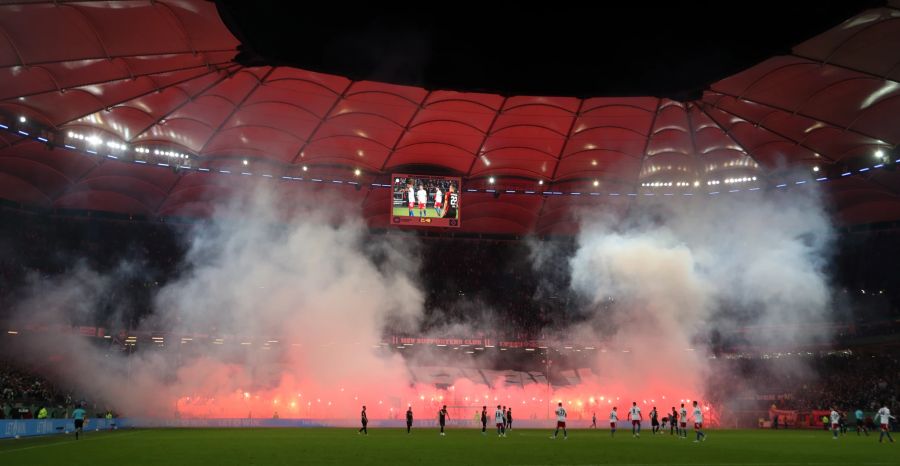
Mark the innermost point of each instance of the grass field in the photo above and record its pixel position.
(394, 447)
(404, 212)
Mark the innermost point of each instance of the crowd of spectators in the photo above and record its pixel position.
(464, 279)
(25, 394)
(849, 382)
(496, 282)
(35, 246)
(803, 382)
(843, 380)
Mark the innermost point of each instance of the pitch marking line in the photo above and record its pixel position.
(66, 442)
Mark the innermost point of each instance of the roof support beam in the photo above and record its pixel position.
(235, 109)
(650, 133)
(312, 134)
(487, 134)
(795, 112)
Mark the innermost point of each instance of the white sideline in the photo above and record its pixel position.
(817, 463)
(87, 439)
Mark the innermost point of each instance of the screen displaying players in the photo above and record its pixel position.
(424, 200)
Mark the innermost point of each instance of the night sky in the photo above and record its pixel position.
(572, 48)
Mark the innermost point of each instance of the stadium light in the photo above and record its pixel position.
(357, 172)
(879, 154)
(305, 168)
(491, 180)
(246, 162)
(596, 183)
(541, 182)
(22, 119)
(816, 168)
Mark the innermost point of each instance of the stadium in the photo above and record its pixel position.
(273, 233)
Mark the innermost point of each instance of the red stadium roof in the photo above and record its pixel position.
(161, 76)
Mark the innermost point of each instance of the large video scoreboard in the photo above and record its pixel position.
(425, 200)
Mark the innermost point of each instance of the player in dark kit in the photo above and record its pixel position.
(442, 418)
(673, 420)
(452, 203)
(509, 419)
(654, 420)
(484, 420)
(409, 419)
(365, 421)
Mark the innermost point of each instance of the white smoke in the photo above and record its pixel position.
(299, 306)
(668, 274)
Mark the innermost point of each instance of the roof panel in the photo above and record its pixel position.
(161, 75)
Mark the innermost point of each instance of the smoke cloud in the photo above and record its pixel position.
(297, 306)
(668, 276)
(300, 306)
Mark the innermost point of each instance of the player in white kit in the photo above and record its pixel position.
(411, 195)
(884, 418)
(683, 425)
(613, 419)
(560, 422)
(835, 422)
(698, 423)
(634, 414)
(499, 419)
(422, 196)
(438, 199)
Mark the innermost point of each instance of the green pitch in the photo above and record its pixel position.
(425, 447)
(404, 212)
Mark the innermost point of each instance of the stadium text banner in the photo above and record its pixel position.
(425, 200)
(406, 340)
(399, 340)
(32, 427)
